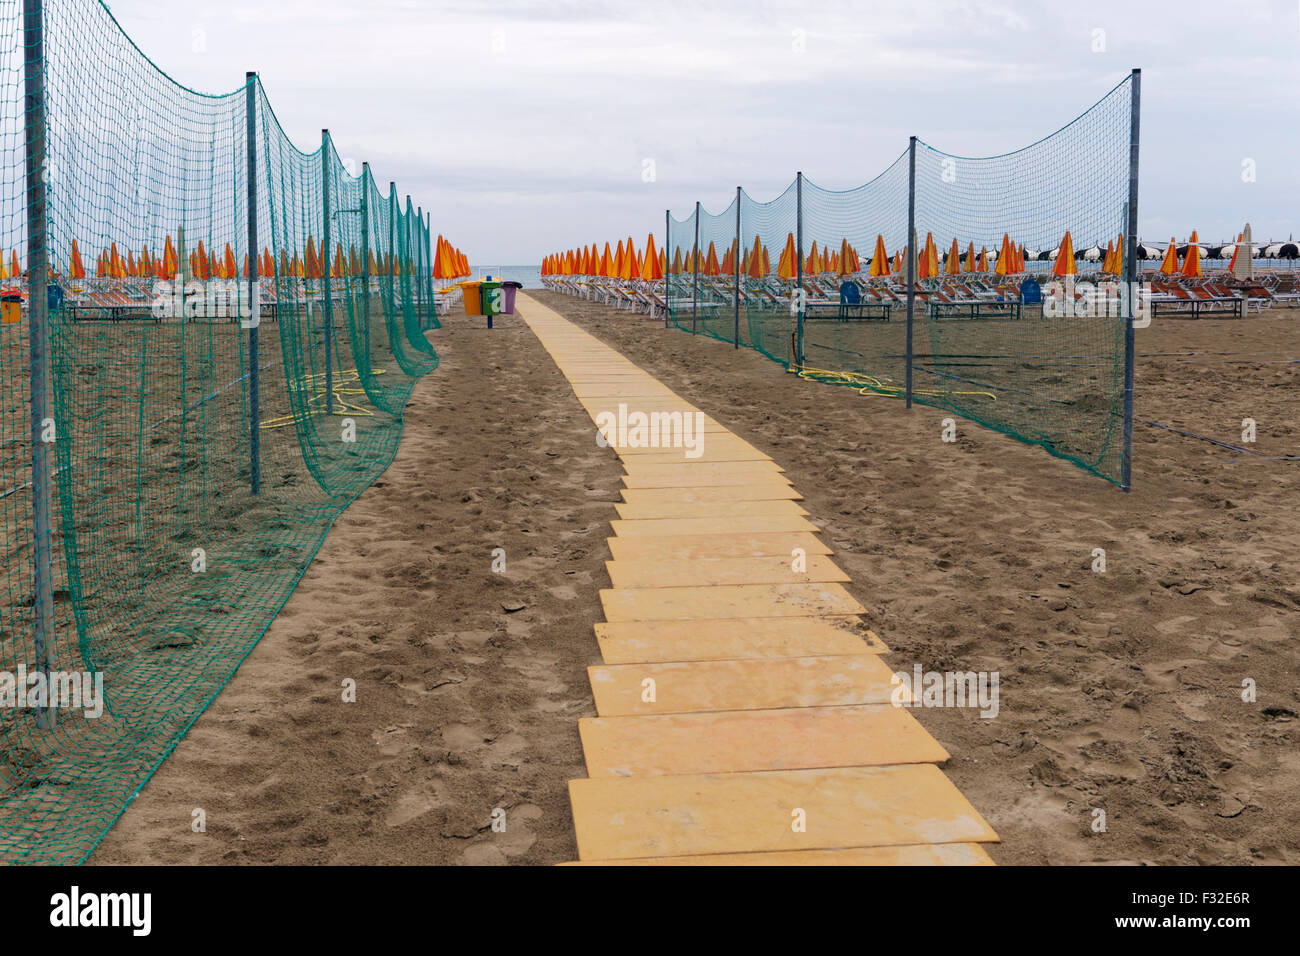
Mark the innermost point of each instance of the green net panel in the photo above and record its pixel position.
(166, 567)
(872, 348)
(1054, 380)
(983, 347)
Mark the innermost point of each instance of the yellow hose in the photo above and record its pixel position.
(868, 383)
(346, 382)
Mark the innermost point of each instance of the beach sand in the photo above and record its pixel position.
(1119, 691)
(463, 706)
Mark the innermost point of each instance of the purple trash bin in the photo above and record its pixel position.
(509, 290)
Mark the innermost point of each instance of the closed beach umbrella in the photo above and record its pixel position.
(651, 260)
(1170, 264)
(879, 259)
(812, 265)
(954, 260)
(1064, 265)
(1243, 267)
(754, 260)
(1192, 263)
(1004, 257)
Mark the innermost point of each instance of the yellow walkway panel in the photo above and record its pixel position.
(627, 817)
(768, 491)
(676, 527)
(734, 741)
(686, 546)
(681, 687)
(761, 638)
(730, 601)
(707, 509)
(760, 468)
(707, 443)
(932, 854)
(711, 572)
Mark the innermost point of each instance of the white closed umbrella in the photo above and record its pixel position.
(1243, 265)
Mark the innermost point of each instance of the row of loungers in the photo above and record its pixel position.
(949, 297)
(126, 299)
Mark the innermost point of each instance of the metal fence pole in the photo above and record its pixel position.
(735, 334)
(422, 307)
(1130, 281)
(798, 267)
(254, 295)
(365, 250)
(668, 267)
(325, 271)
(911, 259)
(38, 336)
(431, 300)
(392, 246)
(695, 260)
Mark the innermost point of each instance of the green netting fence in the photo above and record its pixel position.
(189, 396)
(983, 333)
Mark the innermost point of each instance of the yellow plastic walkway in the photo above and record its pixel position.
(745, 714)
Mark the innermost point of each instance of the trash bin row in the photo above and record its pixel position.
(490, 297)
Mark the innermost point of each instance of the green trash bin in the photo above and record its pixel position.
(491, 299)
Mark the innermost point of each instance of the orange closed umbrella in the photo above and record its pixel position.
(1004, 257)
(954, 260)
(785, 263)
(1064, 265)
(711, 265)
(754, 260)
(75, 269)
(879, 259)
(1192, 262)
(1170, 264)
(813, 264)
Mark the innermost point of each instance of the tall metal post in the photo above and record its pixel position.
(422, 306)
(428, 261)
(392, 247)
(365, 248)
(326, 251)
(38, 342)
(798, 267)
(254, 296)
(1130, 280)
(410, 267)
(911, 260)
(735, 266)
(668, 267)
(695, 258)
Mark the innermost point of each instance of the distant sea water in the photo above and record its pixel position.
(530, 276)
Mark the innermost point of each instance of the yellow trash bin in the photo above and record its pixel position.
(471, 298)
(11, 308)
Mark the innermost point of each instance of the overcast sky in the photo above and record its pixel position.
(525, 127)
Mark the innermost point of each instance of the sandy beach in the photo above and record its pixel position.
(1119, 691)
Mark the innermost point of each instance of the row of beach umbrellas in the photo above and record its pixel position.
(111, 263)
(757, 261)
